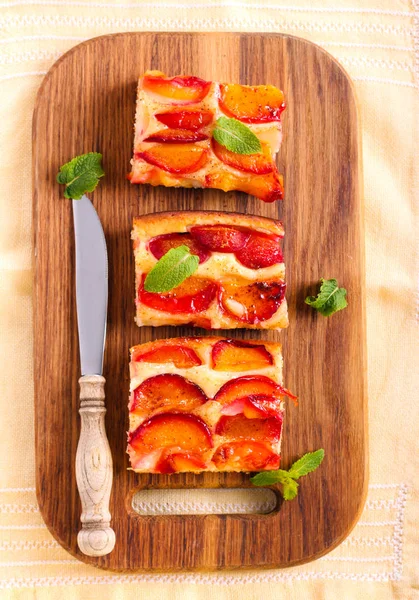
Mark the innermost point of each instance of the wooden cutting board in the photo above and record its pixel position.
(86, 103)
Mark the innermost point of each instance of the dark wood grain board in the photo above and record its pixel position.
(87, 102)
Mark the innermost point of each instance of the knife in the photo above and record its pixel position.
(93, 457)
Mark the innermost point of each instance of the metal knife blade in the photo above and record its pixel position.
(91, 285)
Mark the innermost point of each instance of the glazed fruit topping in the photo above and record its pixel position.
(168, 392)
(259, 104)
(251, 408)
(260, 163)
(252, 303)
(186, 119)
(174, 431)
(245, 455)
(240, 427)
(176, 136)
(181, 357)
(255, 387)
(178, 159)
(177, 90)
(261, 250)
(232, 355)
(180, 462)
(220, 238)
(161, 244)
(268, 188)
(194, 295)
(254, 250)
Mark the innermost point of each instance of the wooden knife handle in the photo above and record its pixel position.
(94, 470)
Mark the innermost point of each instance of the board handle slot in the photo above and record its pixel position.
(204, 501)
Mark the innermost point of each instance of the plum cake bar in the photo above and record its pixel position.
(240, 279)
(205, 404)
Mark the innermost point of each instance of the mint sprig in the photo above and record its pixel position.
(304, 465)
(171, 270)
(330, 298)
(81, 174)
(236, 136)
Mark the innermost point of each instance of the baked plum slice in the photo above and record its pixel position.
(234, 355)
(176, 136)
(245, 455)
(261, 250)
(240, 427)
(152, 443)
(177, 90)
(258, 104)
(220, 238)
(194, 295)
(193, 120)
(161, 244)
(165, 393)
(260, 163)
(180, 356)
(252, 303)
(178, 159)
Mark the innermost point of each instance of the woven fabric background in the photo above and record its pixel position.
(377, 41)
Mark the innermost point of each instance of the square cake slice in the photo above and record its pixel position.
(205, 404)
(240, 277)
(173, 141)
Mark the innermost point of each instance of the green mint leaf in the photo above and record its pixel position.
(306, 464)
(174, 267)
(270, 477)
(289, 486)
(236, 136)
(81, 174)
(330, 298)
(290, 489)
(86, 182)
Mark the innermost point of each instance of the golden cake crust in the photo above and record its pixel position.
(169, 221)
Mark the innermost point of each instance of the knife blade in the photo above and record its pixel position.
(91, 285)
(93, 456)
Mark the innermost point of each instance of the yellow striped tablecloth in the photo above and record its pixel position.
(377, 41)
